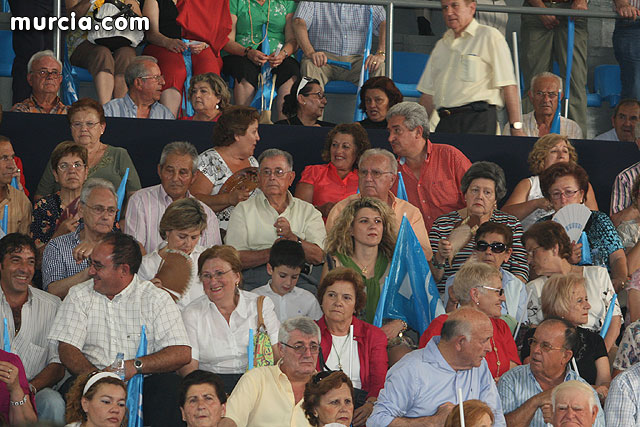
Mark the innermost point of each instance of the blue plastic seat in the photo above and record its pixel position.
(81, 74)
(607, 83)
(6, 53)
(407, 70)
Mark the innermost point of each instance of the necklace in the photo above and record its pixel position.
(495, 349)
(251, 23)
(339, 353)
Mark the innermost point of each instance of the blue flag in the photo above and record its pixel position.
(134, 388)
(122, 191)
(409, 292)
(364, 73)
(14, 183)
(555, 124)
(6, 340)
(4, 222)
(187, 108)
(68, 88)
(250, 350)
(607, 318)
(402, 192)
(266, 90)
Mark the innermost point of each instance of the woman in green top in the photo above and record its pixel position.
(363, 239)
(244, 57)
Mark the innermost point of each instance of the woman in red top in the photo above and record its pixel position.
(341, 295)
(325, 185)
(480, 285)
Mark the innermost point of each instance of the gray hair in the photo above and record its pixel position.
(473, 274)
(453, 328)
(303, 324)
(575, 387)
(137, 68)
(414, 115)
(486, 170)
(93, 183)
(39, 55)
(543, 75)
(393, 163)
(180, 148)
(274, 152)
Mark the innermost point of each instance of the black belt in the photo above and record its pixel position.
(477, 106)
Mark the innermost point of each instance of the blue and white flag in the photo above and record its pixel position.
(358, 114)
(266, 85)
(134, 388)
(409, 292)
(555, 124)
(402, 191)
(122, 191)
(4, 222)
(6, 339)
(187, 108)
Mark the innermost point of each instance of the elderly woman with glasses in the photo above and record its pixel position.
(549, 250)
(218, 323)
(348, 344)
(328, 399)
(567, 183)
(325, 185)
(564, 296)
(304, 105)
(483, 186)
(479, 285)
(527, 202)
(88, 123)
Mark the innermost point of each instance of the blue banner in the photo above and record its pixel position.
(358, 114)
(6, 340)
(402, 191)
(187, 108)
(122, 191)
(134, 388)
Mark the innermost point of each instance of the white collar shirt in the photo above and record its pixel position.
(296, 302)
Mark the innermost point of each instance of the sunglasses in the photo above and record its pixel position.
(496, 248)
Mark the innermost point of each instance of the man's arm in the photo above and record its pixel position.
(522, 416)
(60, 288)
(49, 376)
(436, 420)
(319, 59)
(427, 102)
(252, 259)
(168, 359)
(73, 359)
(312, 252)
(625, 10)
(512, 105)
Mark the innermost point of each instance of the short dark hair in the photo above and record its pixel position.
(486, 170)
(16, 242)
(290, 104)
(287, 253)
(86, 104)
(360, 140)
(386, 85)
(126, 250)
(67, 148)
(497, 228)
(558, 170)
(319, 385)
(198, 377)
(548, 234)
(234, 120)
(347, 275)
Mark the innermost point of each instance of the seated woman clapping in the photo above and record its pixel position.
(328, 399)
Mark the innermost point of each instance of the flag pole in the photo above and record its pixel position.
(516, 66)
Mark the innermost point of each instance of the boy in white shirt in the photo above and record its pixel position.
(286, 261)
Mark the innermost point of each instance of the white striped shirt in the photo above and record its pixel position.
(621, 192)
(32, 345)
(101, 328)
(144, 212)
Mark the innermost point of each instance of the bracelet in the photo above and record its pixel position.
(436, 264)
(286, 54)
(381, 52)
(19, 402)
(32, 389)
(404, 327)
(246, 50)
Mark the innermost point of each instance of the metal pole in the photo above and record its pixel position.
(516, 66)
(57, 36)
(388, 63)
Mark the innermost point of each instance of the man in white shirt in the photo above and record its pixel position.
(177, 171)
(286, 261)
(104, 316)
(271, 215)
(625, 117)
(29, 313)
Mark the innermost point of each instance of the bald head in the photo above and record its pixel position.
(465, 338)
(462, 322)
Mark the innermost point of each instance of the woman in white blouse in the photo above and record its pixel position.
(218, 324)
(181, 227)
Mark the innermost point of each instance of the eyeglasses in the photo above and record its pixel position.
(541, 94)
(278, 172)
(302, 349)
(496, 247)
(556, 195)
(533, 251)
(97, 266)
(216, 274)
(159, 78)
(320, 95)
(45, 73)
(545, 346)
(80, 125)
(62, 167)
(321, 375)
(499, 291)
(375, 174)
(100, 210)
(8, 158)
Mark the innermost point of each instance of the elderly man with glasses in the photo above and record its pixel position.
(272, 395)
(526, 390)
(65, 259)
(44, 77)
(144, 81)
(273, 214)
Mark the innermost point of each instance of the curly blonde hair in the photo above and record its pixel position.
(74, 411)
(340, 240)
(557, 294)
(541, 148)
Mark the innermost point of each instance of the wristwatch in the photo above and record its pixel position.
(516, 125)
(137, 363)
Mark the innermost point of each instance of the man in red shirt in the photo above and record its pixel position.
(431, 172)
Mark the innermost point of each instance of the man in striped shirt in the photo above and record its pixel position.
(621, 192)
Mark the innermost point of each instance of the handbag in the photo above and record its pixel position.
(263, 351)
(113, 38)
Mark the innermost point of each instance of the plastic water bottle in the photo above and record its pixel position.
(117, 367)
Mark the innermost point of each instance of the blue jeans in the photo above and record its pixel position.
(626, 47)
(50, 405)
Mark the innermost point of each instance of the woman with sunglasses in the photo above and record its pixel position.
(363, 356)
(479, 285)
(549, 250)
(567, 183)
(564, 296)
(304, 105)
(218, 323)
(328, 399)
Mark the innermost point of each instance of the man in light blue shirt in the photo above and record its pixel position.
(622, 407)
(526, 390)
(421, 389)
(145, 81)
